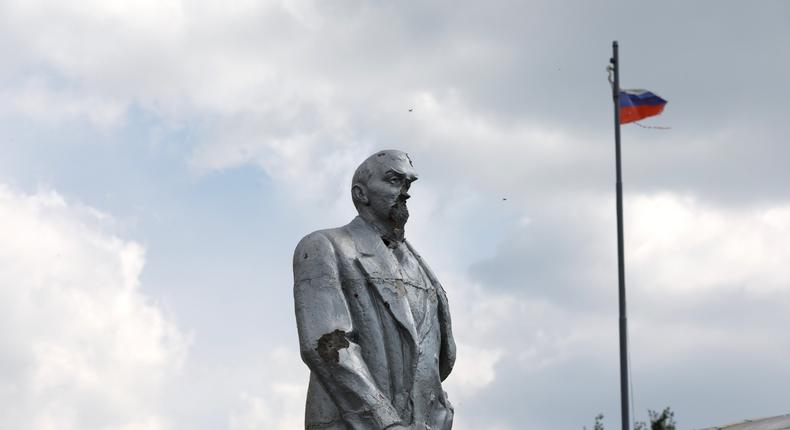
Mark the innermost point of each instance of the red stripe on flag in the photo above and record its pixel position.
(635, 113)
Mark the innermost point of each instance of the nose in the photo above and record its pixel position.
(405, 195)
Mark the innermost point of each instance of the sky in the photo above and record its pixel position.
(162, 158)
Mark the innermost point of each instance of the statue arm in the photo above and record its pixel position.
(323, 322)
(447, 357)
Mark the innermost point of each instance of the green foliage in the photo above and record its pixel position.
(662, 421)
(665, 420)
(598, 422)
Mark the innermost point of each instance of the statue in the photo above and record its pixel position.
(373, 320)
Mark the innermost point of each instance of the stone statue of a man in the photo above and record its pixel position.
(373, 321)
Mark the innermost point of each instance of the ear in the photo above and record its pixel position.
(360, 194)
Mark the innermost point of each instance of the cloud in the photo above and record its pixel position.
(680, 245)
(282, 410)
(509, 101)
(38, 99)
(83, 348)
(279, 403)
(295, 87)
(707, 290)
(474, 369)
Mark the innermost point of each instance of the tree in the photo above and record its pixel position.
(658, 421)
(663, 421)
(598, 422)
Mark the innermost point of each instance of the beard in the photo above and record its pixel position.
(398, 216)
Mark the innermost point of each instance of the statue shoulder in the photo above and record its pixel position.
(320, 244)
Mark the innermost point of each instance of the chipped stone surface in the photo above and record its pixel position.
(373, 320)
(330, 343)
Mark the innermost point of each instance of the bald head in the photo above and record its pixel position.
(381, 165)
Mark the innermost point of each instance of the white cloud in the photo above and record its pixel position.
(474, 369)
(83, 347)
(279, 405)
(707, 292)
(679, 245)
(305, 91)
(36, 99)
(282, 409)
(262, 82)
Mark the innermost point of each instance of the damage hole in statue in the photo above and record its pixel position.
(329, 345)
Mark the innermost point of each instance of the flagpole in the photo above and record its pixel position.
(626, 423)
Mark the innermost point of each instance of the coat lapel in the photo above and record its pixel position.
(380, 268)
(447, 358)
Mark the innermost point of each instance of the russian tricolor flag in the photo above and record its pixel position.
(639, 104)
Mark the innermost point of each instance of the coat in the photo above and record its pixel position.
(369, 366)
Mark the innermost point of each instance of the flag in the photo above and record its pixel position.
(639, 104)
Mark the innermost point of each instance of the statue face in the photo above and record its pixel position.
(387, 189)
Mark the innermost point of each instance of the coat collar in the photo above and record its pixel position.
(367, 238)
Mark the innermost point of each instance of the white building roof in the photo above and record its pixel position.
(781, 422)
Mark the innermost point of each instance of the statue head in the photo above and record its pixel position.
(380, 188)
